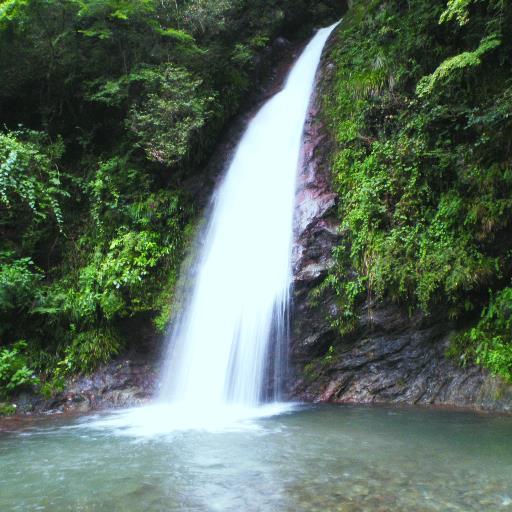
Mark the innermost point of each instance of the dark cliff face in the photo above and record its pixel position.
(391, 357)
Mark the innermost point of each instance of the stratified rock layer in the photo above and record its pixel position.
(391, 357)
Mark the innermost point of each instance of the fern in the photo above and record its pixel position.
(458, 9)
(448, 68)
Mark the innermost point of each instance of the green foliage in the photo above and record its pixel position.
(30, 181)
(10, 10)
(448, 68)
(490, 342)
(423, 160)
(89, 349)
(7, 409)
(15, 373)
(113, 282)
(19, 289)
(457, 9)
(207, 16)
(178, 35)
(115, 9)
(167, 119)
(18, 283)
(125, 277)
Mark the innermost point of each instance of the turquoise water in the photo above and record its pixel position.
(311, 458)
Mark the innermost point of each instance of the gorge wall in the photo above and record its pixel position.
(391, 357)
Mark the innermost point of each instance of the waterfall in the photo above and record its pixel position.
(231, 334)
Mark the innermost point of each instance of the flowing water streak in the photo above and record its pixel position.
(219, 350)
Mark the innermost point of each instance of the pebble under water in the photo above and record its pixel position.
(311, 458)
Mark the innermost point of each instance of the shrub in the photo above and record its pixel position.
(30, 181)
(19, 288)
(88, 350)
(15, 373)
(489, 343)
(168, 118)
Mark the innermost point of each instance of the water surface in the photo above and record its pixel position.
(321, 458)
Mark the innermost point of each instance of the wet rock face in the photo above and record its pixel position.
(315, 234)
(122, 383)
(392, 357)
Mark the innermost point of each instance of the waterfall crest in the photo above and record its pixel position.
(235, 318)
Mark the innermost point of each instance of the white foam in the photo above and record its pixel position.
(167, 419)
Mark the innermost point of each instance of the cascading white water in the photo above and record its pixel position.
(220, 347)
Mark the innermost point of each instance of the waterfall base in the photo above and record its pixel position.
(162, 419)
